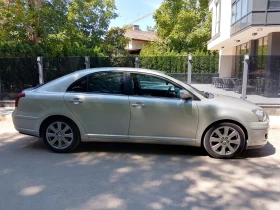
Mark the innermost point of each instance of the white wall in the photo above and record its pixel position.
(135, 44)
(227, 62)
(225, 22)
(226, 59)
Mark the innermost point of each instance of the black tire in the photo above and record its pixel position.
(73, 130)
(212, 147)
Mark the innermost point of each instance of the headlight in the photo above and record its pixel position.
(262, 115)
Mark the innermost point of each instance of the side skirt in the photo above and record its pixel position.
(140, 139)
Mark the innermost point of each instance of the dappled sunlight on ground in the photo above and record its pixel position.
(136, 176)
(32, 190)
(103, 201)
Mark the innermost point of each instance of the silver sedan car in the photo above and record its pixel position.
(137, 105)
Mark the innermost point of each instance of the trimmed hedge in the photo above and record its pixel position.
(179, 64)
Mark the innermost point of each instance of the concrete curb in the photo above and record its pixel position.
(7, 103)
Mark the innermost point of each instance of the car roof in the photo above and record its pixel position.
(61, 84)
(92, 70)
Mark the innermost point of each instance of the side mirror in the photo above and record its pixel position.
(185, 94)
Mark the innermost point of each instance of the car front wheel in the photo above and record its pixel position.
(224, 140)
(60, 135)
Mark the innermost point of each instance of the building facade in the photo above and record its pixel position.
(138, 38)
(246, 27)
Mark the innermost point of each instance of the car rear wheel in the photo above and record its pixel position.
(60, 135)
(224, 140)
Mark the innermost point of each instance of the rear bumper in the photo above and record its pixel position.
(26, 124)
(257, 134)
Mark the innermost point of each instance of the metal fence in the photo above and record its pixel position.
(262, 78)
(196, 78)
(17, 74)
(262, 75)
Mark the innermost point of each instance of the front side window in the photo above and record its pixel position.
(147, 85)
(106, 82)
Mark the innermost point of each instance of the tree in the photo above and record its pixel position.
(60, 27)
(115, 42)
(129, 27)
(157, 48)
(83, 21)
(89, 20)
(31, 21)
(184, 24)
(151, 29)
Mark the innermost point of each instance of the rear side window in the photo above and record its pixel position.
(100, 82)
(79, 86)
(106, 82)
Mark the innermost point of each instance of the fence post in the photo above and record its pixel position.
(245, 77)
(87, 62)
(189, 69)
(40, 67)
(136, 62)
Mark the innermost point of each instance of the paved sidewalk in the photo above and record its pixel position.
(6, 110)
(252, 98)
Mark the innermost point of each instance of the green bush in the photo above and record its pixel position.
(23, 50)
(179, 64)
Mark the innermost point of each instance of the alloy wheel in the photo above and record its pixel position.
(224, 140)
(59, 135)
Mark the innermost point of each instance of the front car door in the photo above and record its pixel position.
(157, 112)
(99, 102)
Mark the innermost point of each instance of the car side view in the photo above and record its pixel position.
(137, 105)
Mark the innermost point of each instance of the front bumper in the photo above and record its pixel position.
(257, 134)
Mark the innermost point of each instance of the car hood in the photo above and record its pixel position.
(234, 102)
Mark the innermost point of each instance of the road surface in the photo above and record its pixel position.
(133, 176)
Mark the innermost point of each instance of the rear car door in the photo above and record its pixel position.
(99, 102)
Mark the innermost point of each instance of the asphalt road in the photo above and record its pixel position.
(132, 176)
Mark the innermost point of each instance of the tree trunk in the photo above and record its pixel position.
(35, 5)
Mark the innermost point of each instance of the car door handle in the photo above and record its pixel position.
(76, 100)
(138, 105)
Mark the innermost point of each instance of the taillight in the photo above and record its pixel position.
(21, 95)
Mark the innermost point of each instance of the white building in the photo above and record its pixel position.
(245, 27)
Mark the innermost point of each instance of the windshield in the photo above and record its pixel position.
(202, 93)
(196, 90)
